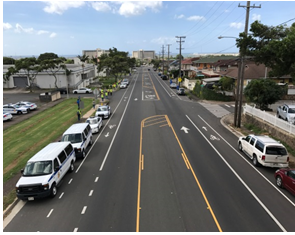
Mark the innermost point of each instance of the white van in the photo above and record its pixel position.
(44, 171)
(80, 135)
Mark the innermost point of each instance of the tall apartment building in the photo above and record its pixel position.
(95, 53)
(143, 55)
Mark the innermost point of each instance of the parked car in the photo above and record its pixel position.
(265, 151)
(31, 105)
(82, 90)
(61, 90)
(285, 178)
(173, 85)
(287, 112)
(123, 85)
(7, 117)
(180, 91)
(15, 109)
(103, 111)
(160, 74)
(126, 80)
(95, 123)
(164, 77)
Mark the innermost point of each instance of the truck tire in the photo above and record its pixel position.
(279, 182)
(53, 190)
(255, 161)
(240, 147)
(72, 167)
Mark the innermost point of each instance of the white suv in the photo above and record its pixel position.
(264, 151)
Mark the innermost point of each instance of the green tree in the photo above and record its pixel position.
(28, 66)
(263, 92)
(178, 56)
(273, 46)
(156, 63)
(47, 56)
(8, 60)
(116, 62)
(226, 83)
(52, 66)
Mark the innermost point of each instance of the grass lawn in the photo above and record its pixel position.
(21, 141)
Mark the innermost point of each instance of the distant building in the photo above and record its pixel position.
(95, 53)
(143, 55)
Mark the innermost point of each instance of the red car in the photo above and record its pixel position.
(285, 178)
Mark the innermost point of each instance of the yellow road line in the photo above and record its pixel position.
(185, 160)
(154, 123)
(154, 88)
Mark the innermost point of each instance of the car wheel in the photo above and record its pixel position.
(75, 92)
(83, 154)
(255, 161)
(87, 92)
(279, 181)
(19, 112)
(91, 141)
(240, 147)
(72, 167)
(53, 190)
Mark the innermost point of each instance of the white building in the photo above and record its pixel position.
(143, 55)
(95, 53)
(80, 76)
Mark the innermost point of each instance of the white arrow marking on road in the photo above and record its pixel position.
(212, 137)
(135, 99)
(111, 126)
(185, 129)
(204, 128)
(107, 135)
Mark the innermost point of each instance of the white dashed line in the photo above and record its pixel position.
(75, 230)
(61, 195)
(70, 181)
(96, 179)
(84, 209)
(90, 194)
(49, 213)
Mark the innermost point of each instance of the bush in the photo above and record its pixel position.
(208, 94)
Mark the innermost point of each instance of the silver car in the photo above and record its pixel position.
(31, 105)
(103, 111)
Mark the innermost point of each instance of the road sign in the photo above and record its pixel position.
(179, 79)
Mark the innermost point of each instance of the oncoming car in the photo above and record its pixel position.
(95, 123)
(123, 85)
(103, 111)
(7, 117)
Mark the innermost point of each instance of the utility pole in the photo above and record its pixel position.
(163, 58)
(168, 54)
(240, 82)
(180, 37)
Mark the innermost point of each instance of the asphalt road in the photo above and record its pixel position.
(161, 163)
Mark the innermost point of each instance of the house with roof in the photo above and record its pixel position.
(188, 69)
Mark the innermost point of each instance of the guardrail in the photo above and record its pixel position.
(270, 118)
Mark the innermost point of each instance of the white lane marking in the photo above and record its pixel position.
(90, 193)
(49, 213)
(96, 179)
(107, 135)
(246, 160)
(75, 230)
(70, 181)
(227, 105)
(237, 175)
(111, 144)
(104, 128)
(61, 195)
(185, 129)
(84, 209)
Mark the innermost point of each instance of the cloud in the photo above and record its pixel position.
(179, 16)
(138, 8)
(7, 26)
(236, 25)
(52, 35)
(59, 7)
(164, 40)
(42, 32)
(20, 29)
(196, 18)
(256, 17)
(101, 6)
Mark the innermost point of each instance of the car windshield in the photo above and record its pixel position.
(102, 109)
(92, 121)
(38, 168)
(273, 150)
(73, 138)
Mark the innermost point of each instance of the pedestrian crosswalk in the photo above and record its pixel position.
(217, 109)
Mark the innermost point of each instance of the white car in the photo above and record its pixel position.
(32, 106)
(82, 90)
(95, 123)
(7, 117)
(15, 109)
(123, 85)
(103, 111)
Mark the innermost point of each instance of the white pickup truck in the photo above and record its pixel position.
(287, 112)
(263, 150)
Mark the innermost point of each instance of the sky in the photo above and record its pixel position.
(31, 28)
